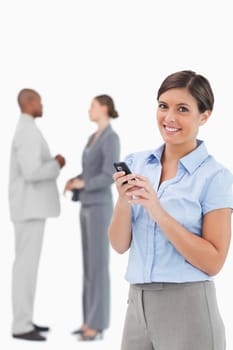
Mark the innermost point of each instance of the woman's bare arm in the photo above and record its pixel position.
(120, 229)
(207, 253)
(120, 233)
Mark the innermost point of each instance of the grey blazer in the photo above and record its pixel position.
(33, 191)
(97, 164)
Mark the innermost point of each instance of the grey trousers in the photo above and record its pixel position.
(173, 316)
(28, 244)
(95, 220)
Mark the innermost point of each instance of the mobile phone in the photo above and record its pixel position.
(122, 166)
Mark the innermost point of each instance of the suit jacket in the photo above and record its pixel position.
(97, 164)
(33, 192)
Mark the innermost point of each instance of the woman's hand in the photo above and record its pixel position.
(123, 186)
(145, 195)
(78, 184)
(68, 186)
(74, 184)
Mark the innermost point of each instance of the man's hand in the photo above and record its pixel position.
(61, 160)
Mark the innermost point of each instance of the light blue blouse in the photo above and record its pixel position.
(200, 185)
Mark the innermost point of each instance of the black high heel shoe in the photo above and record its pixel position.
(78, 332)
(98, 336)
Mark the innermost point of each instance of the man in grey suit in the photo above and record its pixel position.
(33, 197)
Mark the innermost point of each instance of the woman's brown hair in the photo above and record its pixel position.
(197, 85)
(106, 100)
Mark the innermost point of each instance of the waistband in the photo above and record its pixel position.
(171, 285)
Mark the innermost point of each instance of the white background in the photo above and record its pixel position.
(71, 51)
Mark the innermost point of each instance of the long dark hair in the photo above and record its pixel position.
(198, 86)
(106, 100)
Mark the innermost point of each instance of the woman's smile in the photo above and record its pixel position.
(171, 130)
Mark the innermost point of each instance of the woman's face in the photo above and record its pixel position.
(97, 111)
(178, 116)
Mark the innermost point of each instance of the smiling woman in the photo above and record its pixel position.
(176, 220)
(185, 103)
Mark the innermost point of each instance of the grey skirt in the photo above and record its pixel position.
(173, 316)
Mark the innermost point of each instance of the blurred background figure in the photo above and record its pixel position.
(33, 197)
(93, 188)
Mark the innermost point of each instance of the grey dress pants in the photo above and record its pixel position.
(95, 220)
(28, 243)
(173, 316)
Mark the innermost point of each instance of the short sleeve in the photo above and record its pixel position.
(218, 194)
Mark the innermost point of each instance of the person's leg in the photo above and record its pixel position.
(184, 316)
(135, 334)
(83, 225)
(97, 279)
(28, 244)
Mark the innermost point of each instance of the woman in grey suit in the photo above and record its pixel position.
(93, 188)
